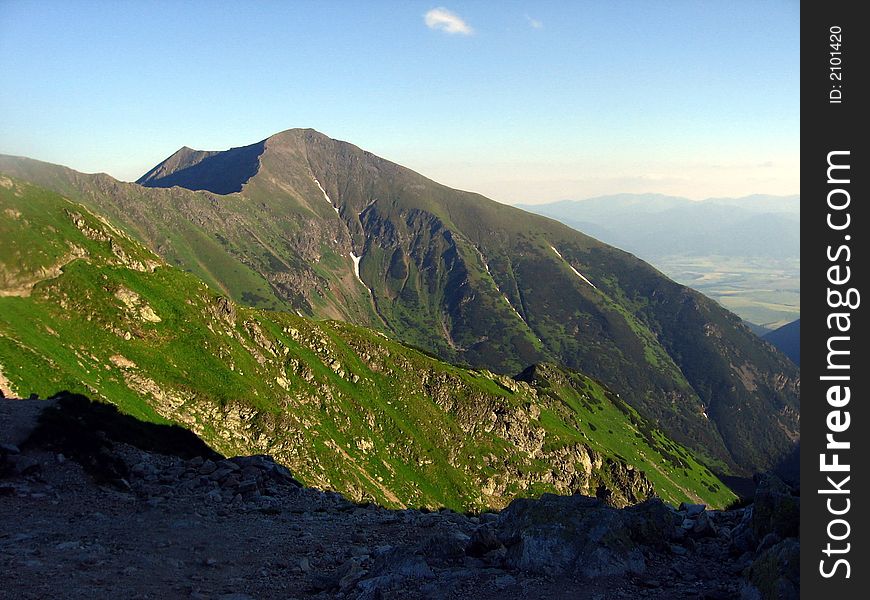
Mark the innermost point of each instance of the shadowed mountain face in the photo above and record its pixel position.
(329, 230)
(218, 172)
(788, 340)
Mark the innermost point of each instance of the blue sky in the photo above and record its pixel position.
(521, 101)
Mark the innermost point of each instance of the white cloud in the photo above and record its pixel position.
(442, 19)
(534, 23)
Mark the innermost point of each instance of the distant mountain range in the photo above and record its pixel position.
(305, 224)
(653, 225)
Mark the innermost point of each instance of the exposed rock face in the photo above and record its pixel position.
(775, 573)
(768, 535)
(776, 510)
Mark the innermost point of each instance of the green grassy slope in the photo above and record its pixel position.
(456, 274)
(495, 286)
(85, 308)
(267, 253)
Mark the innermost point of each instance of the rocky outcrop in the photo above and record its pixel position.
(775, 573)
(768, 538)
(579, 535)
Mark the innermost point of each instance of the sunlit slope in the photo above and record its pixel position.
(85, 308)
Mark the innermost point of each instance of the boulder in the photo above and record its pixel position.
(577, 535)
(704, 526)
(446, 547)
(651, 522)
(483, 539)
(403, 562)
(742, 537)
(208, 467)
(692, 510)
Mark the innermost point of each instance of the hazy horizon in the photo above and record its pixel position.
(522, 102)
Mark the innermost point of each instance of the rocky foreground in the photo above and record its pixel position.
(93, 504)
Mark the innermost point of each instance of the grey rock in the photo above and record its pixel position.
(483, 540)
(692, 510)
(558, 535)
(742, 540)
(399, 561)
(651, 523)
(208, 467)
(220, 474)
(282, 474)
(229, 464)
(350, 573)
(704, 526)
(248, 486)
(446, 546)
(23, 465)
(231, 481)
(9, 449)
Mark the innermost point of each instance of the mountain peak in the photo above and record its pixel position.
(297, 131)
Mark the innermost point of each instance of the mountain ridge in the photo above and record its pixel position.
(342, 406)
(654, 225)
(467, 278)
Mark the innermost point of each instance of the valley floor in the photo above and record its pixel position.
(764, 292)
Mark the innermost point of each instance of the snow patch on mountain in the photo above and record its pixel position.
(513, 309)
(325, 195)
(356, 260)
(576, 272)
